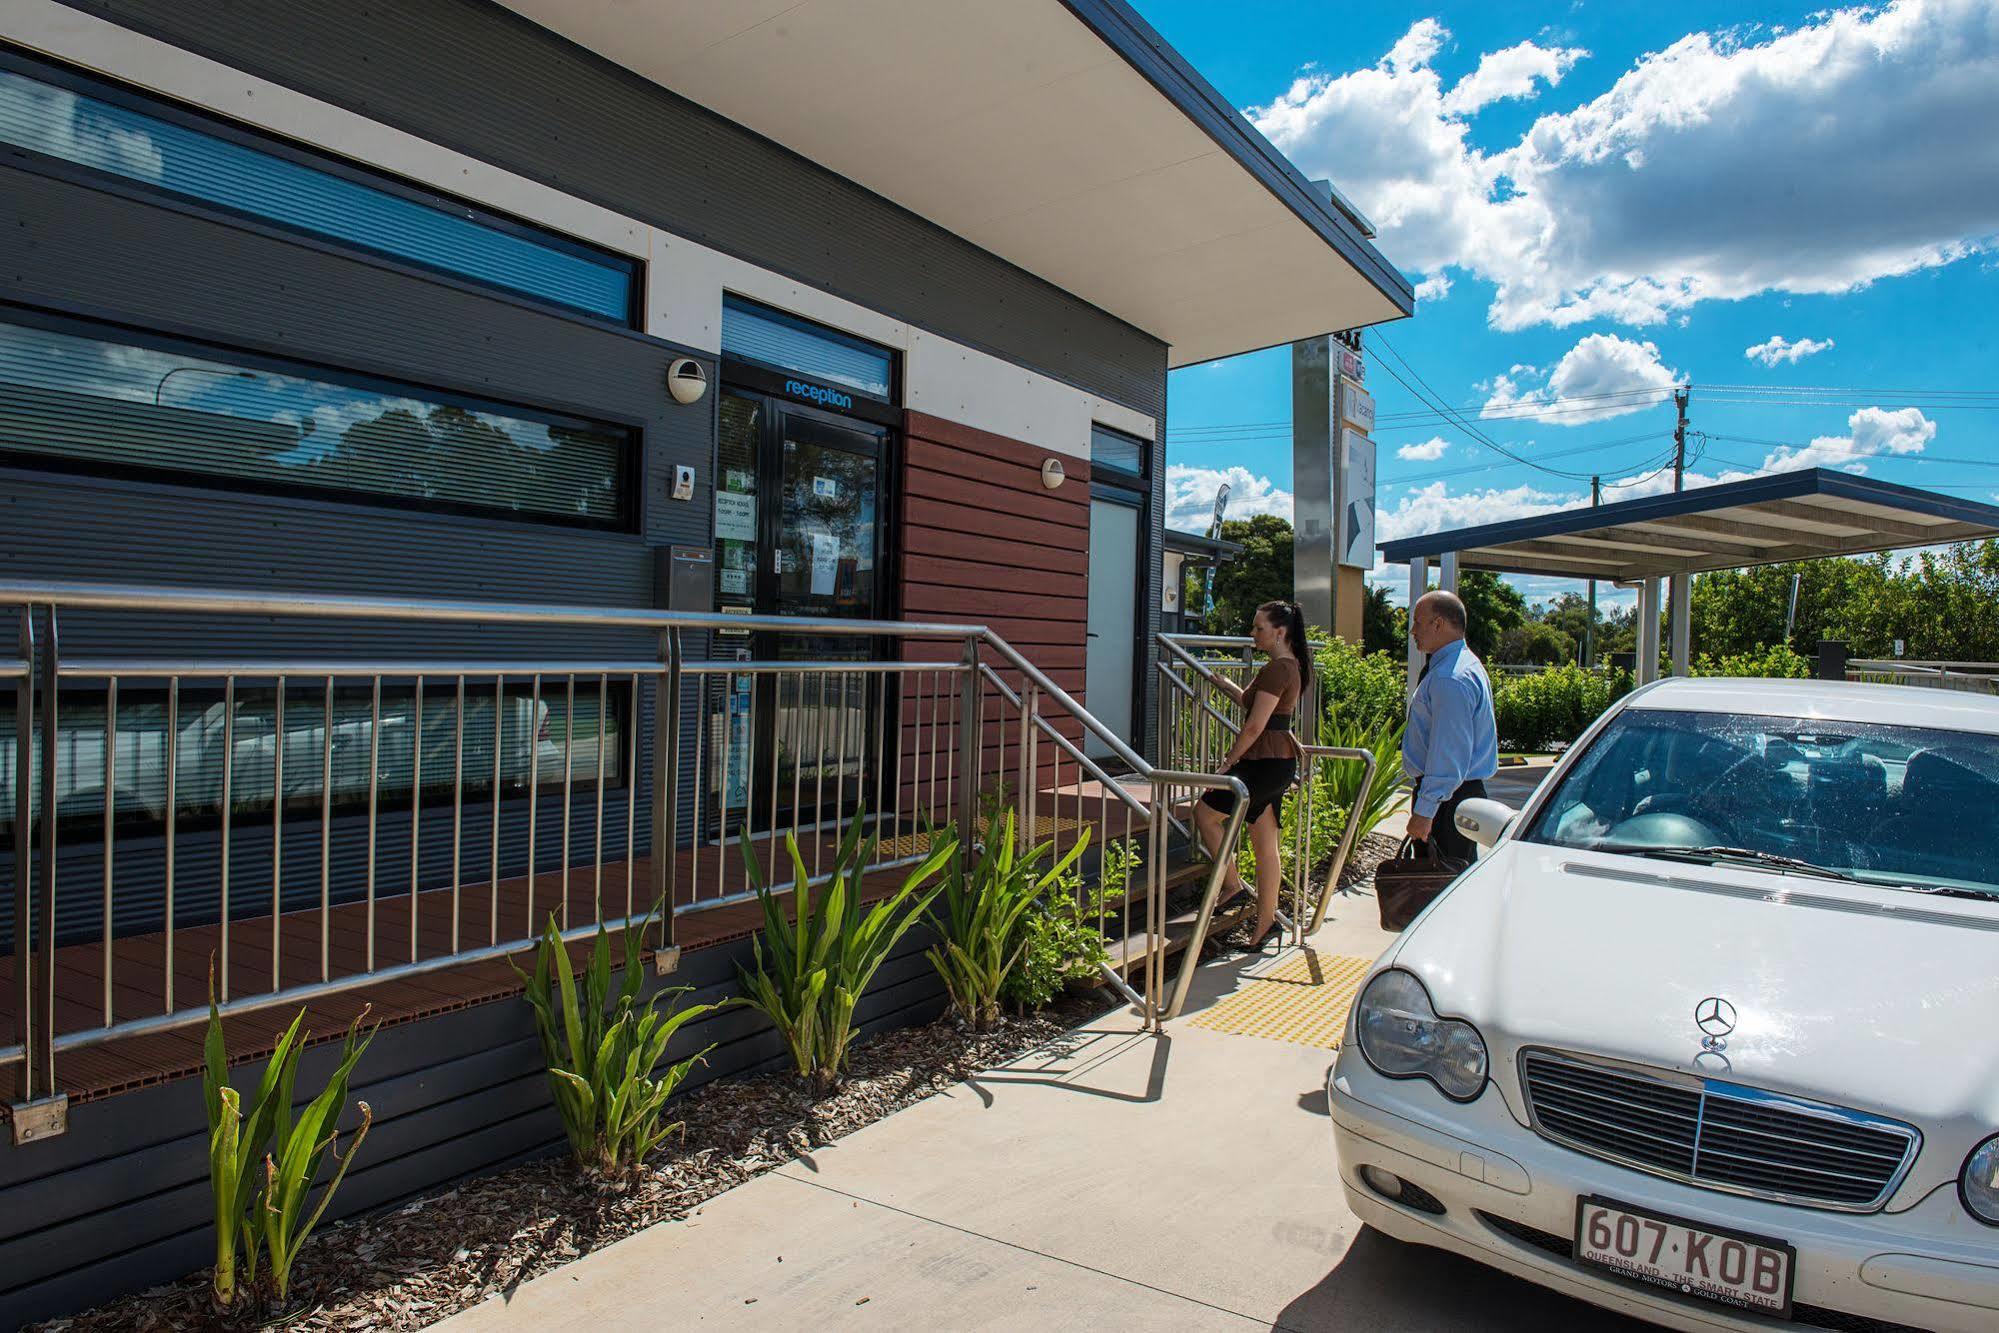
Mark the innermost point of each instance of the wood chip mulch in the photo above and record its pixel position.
(423, 1261)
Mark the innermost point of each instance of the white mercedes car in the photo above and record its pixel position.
(1710, 1034)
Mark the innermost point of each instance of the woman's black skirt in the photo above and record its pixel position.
(1267, 780)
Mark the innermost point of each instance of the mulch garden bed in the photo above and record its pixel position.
(413, 1265)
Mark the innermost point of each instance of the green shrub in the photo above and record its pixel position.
(1357, 687)
(1062, 936)
(1778, 660)
(601, 1048)
(260, 1209)
(811, 971)
(980, 932)
(1536, 712)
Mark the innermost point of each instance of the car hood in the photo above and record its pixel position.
(1874, 999)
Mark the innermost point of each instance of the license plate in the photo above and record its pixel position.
(1693, 1259)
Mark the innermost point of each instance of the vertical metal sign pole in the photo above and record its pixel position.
(1314, 477)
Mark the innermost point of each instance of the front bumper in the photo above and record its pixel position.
(1509, 1201)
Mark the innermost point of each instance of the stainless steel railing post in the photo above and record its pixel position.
(665, 788)
(971, 741)
(1030, 765)
(24, 915)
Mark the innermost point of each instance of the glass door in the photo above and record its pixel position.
(800, 532)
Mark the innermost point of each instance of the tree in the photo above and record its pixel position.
(1536, 642)
(1384, 626)
(1492, 606)
(1262, 573)
(1569, 614)
(1739, 611)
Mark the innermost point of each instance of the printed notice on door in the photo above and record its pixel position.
(735, 517)
(825, 563)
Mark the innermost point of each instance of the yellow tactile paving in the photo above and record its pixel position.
(1304, 1000)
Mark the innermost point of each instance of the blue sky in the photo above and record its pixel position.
(1625, 196)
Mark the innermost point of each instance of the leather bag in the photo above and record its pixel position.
(1406, 882)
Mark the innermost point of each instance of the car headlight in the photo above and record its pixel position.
(1402, 1036)
(1979, 1183)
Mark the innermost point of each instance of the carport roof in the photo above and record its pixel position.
(1799, 515)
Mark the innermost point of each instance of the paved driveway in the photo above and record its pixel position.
(1120, 1180)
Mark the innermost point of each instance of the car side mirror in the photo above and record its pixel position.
(1483, 820)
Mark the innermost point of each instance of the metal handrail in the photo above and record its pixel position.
(1309, 754)
(948, 737)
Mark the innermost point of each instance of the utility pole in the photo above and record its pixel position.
(1680, 396)
(1589, 629)
(1681, 584)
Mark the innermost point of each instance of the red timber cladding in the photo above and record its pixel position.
(985, 543)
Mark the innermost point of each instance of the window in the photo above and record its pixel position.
(1115, 451)
(777, 341)
(536, 740)
(109, 401)
(118, 133)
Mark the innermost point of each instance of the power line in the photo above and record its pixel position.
(1430, 396)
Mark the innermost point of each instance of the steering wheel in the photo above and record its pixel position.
(1701, 805)
(1661, 828)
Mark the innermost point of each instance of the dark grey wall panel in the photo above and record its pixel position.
(121, 1202)
(479, 79)
(91, 251)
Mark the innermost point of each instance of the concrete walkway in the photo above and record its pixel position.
(1184, 1181)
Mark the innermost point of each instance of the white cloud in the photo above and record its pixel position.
(1435, 507)
(1718, 168)
(1433, 288)
(1869, 431)
(1190, 496)
(54, 123)
(1429, 451)
(1778, 349)
(1515, 72)
(1602, 376)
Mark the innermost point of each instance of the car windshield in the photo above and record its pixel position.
(1908, 807)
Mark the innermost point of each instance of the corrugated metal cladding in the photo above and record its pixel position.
(86, 250)
(120, 1202)
(482, 80)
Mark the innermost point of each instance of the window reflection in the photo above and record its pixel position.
(533, 742)
(106, 135)
(120, 404)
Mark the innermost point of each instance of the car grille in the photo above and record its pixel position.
(1719, 1135)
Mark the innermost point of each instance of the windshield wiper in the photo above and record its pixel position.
(1935, 890)
(1774, 860)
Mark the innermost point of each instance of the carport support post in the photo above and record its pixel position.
(1648, 631)
(1447, 571)
(1419, 583)
(1683, 623)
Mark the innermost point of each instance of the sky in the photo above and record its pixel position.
(1792, 208)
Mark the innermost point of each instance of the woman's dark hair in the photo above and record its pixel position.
(1287, 617)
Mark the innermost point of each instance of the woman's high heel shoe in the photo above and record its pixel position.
(1256, 945)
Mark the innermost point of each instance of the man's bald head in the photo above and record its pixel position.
(1437, 619)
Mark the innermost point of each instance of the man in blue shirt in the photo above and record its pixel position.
(1451, 746)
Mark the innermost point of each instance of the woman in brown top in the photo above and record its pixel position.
(1263, 756)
